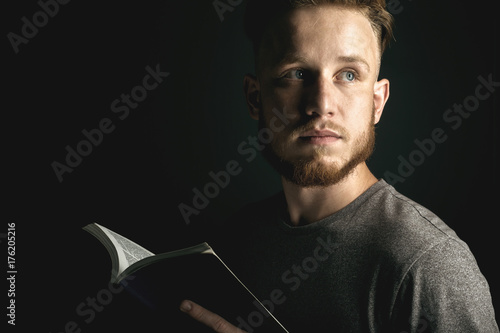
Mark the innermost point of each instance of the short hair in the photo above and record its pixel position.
(260, 13)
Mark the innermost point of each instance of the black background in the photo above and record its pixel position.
(66, 77)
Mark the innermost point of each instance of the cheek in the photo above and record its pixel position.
(281, 98)
(279, 123)
(357, 107)
(280, 114)
(359, 97)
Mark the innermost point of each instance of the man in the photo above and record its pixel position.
(346, 251)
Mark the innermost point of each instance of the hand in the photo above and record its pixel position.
(212, 320)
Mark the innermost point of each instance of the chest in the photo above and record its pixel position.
(316, 282)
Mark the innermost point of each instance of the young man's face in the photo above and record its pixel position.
(319, 66)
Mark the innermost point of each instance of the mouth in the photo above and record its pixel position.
(320, 137)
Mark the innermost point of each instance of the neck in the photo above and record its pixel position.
(310, 204)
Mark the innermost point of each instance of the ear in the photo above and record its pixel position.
(252, 95)
(380, 97)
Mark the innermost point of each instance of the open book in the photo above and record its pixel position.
(162, 281)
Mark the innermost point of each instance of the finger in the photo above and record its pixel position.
(210, 319)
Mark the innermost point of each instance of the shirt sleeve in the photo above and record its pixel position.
(444, 291)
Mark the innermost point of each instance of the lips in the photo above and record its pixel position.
(320, 136)
(320, 133)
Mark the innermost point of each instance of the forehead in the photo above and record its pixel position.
(320, 33)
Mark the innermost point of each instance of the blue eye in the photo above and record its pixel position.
(348, 76)
(299, 74)
(295, 74)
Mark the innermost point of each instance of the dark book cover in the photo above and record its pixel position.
(162, 281)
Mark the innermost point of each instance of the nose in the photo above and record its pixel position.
(320, 99)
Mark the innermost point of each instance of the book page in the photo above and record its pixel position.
(128, 251)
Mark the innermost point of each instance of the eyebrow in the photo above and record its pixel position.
(351, 59)
(291, 57)
(354, 59)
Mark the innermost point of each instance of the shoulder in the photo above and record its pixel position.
(443, 289)
(404, 227)
(434, 274)
(404, 237)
